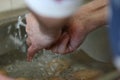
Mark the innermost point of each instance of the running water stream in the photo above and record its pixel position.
(18, 38)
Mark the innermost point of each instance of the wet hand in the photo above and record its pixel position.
(37, 39)
(88, 18)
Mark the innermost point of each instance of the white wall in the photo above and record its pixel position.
(7, 5)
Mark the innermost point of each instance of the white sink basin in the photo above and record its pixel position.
(96, 45)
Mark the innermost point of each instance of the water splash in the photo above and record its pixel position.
(21, 38)
(9, 29)
(20, 21)
(19, 25)
(16, 34)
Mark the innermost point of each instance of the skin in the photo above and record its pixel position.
(5, 78)
(66, 38)
(37, 39)
(88, 18)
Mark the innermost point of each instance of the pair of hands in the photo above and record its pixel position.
(69, 39)
(72, 34)
(86, 19)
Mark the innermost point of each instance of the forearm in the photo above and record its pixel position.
(98, 13)
(97, 19)
(92, 15)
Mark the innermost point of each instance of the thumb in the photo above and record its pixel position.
(31, 52)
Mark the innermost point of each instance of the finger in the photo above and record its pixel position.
(31, 52)
(76, 41)
(69, 49)
(63, 45)
(28, 21)
(78, 34)
(28, 41)
(54, 47)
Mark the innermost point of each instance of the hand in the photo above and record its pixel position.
(37, 39)
(5, 78)
(71, 38)
(88, 18)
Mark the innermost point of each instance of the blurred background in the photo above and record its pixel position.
(11, 7)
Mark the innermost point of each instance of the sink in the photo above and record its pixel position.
(96, 45)
(79, 65)
(45, 65)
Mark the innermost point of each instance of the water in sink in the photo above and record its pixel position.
(45, 65)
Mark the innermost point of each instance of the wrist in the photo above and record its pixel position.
(88, 21)
(97, 19)
(93, 15)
